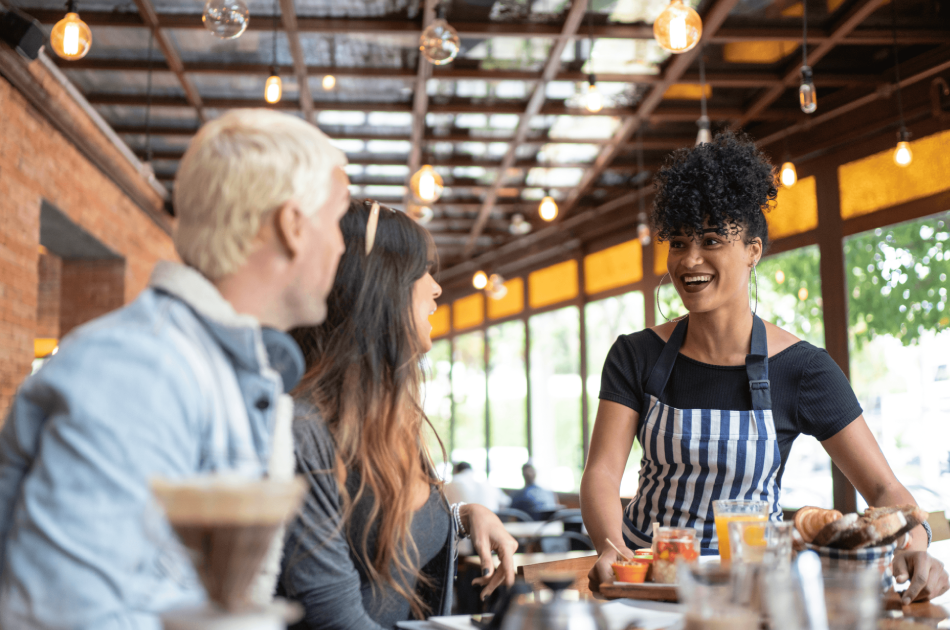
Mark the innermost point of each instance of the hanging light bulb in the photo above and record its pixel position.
(518, 225)
(496, 288)
(422, 214)
(226, 19)
(807, 97)
(426, 184)
(903, 156)
(593, 100)
(480, 280)
(643, 230)
(789, 176)
(548, 208)
(272, 87)
(71, 37)
(329, 82)
(678, 28)
(439, 43)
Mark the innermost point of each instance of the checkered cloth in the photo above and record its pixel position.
(852, 560)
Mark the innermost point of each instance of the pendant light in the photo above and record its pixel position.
(439, 42)
(71, 37)
(807, 97)
(426, 184)
(679, 28)
(272, 87)
(903, 156)
(480, 280)
(329, 82)
(548, 209)
(519, 226)
(643, 228)
(496, 288)
(226, 19)
(704, 135)
(788, 175)
(593, 100)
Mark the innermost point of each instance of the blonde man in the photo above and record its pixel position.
(188, 379)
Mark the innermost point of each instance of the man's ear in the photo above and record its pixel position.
(288, 223)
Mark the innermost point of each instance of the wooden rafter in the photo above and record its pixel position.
(857, 14)
(288, 14)
(574, 18)
(149, 19)
(674, 70)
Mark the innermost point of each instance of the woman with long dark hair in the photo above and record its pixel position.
(375, 541)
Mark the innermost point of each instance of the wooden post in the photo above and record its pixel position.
(585, 438)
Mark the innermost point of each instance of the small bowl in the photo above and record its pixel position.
(632, 572)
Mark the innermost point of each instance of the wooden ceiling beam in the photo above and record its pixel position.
(736, 30)
(848, 22)
(675, 69)
(535, 105)
(150, 20)
(288, 14)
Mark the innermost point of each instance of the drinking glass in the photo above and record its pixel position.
(728, 511)
(761, 542)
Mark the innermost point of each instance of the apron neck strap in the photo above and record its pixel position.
(756, 364)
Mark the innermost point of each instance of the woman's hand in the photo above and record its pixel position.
(928, 577)
(602, 572)
(488, 535)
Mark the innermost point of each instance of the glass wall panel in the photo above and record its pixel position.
(507, 404)
(438, 400)
(605, 320)
(899, 329)
(789, 287)
(556, 399)
(468, 391)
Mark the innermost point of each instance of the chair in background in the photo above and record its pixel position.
(511, 515)
(579, 567)
(568, 541)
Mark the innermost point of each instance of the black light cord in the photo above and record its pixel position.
(804, 32)
(702, 81)
(897, 65)
(276, 22)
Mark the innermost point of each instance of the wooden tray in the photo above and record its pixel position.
(650, 591)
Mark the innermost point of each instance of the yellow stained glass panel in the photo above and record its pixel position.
(876, 182)
(44, 347)
(661, 250)
(795, 211)
(553, 284)
(758, 52)
(613, 267)
(511, 304)
(440, 320)
(687, 91)
(468, 312)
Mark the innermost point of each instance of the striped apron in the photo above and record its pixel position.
(692, 457)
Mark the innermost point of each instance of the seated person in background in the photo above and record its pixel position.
(533, 499)
(187, 379)
(374, 543)
(465, 487)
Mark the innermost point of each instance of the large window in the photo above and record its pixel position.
(556, 399)
(605, 320)
(468, 392)
(899, 328)
(507, 404)
(438, 400)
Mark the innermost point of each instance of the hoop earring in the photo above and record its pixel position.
(657, 300)
(755, 280)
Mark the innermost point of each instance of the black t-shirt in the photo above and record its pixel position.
(810, 393)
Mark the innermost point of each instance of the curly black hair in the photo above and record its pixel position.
(728, 181)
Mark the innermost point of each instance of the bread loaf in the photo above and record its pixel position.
(810, 520)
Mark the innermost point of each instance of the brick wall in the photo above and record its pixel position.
(48, 296)
(90, 288)
(36, 163)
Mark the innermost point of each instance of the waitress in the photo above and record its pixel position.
(717, 398)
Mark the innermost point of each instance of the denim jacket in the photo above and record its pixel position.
(173, 385)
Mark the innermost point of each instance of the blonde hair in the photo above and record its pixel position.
(239, 168)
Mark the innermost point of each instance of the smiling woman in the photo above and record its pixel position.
(717, 398)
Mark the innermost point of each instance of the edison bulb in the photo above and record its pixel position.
(226, 19)
(679, 28)
(643, 233)
(789, 176)
(329, 82)
(496, 287)
(518, 225)
(594, 100)
(807, 96)
(439, 43)
(548, 208)
(272, 89)
(902, 154)
(71, 37)
(422, 214)
(479, 280)
(426, 184)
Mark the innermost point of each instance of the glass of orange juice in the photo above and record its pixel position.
(735, 510)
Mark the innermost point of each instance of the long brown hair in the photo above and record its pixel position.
(364, 374)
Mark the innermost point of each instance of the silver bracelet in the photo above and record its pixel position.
(456, 514)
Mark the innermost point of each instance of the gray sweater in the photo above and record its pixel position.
(328, 576)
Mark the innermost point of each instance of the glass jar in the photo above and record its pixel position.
(672, 543)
